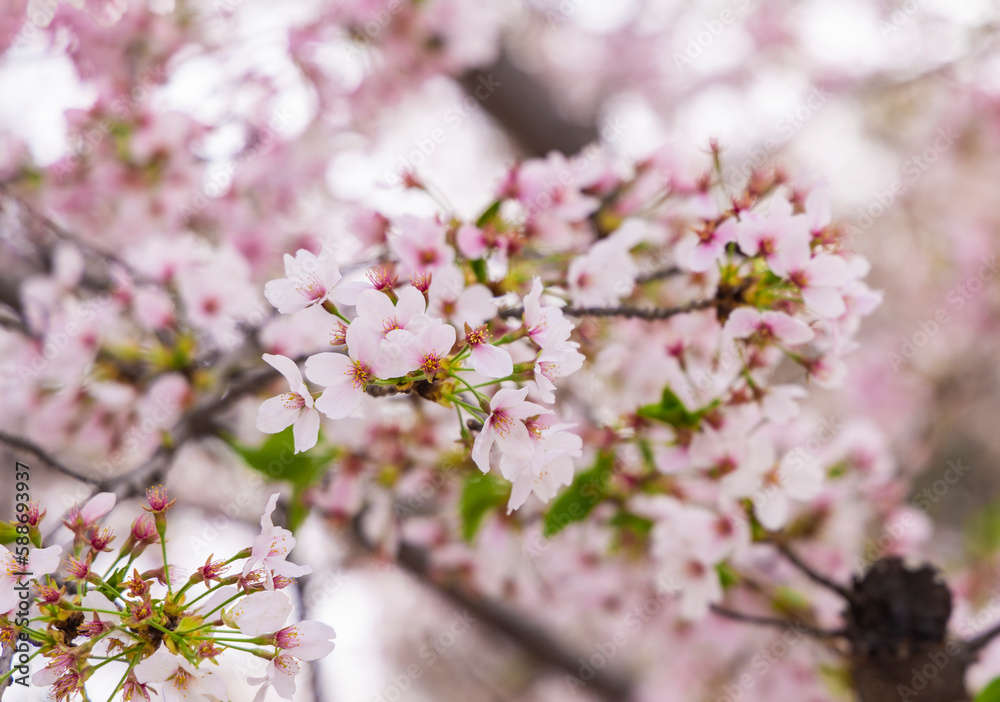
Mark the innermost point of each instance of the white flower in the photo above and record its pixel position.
(271, 548)
(505, 427)
(183, 682)
(260, 613)
(310, 280)
(545, 325)
(291, 408)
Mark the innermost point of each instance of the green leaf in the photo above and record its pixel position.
(492, 212)
(982, 531)
(990, 693)
(633, 522)
(479, 268)
(672, 411)
(481, 493)
(276, 460)
(727, 576)
(7, 533)
(580, 498)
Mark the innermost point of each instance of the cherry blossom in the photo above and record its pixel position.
(487, 359)
(309, 280)
(294, 408)
(182, 681)
(271, 548)
(39, 562)
(505, 427)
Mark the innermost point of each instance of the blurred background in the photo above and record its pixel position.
(260, 127)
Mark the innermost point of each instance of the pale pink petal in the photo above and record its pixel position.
(287, 368)
(329, 368)
(827, 270)
(787, 329)
(306, 430)
(743, 322)
(491, 361)
(98, 506)
(826, 302)
(338, 401)
(284, 295)
(274, 415)
(260, 612)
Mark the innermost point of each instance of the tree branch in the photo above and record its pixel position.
(816, 577)
(21, 444)
(775, 622)
(647, 313)
(537, 643)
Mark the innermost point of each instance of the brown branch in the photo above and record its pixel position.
(21, 444)
(983, 640)
(775, 622)
(660, 274)
(537, 644)
(525, 109)
(647, 313)
(813, 575)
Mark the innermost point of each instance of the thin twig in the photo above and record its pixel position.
(983, 640)
(775, 622)
(816, 577)
(647, 313)
(22, 444)
(660, 274)
(537, 643)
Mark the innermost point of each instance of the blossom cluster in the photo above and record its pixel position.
(167, 632)
(755, 280)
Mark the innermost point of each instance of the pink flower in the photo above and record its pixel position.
(818, 277)
(449, 299)
(793, 479)
(606, 273)
(307, 641)
(486, 359)
(293, 408)
(280, 674)
(548, 468)
(271, 548)
(260, 613)
(309, 280)
(555, 362)
(767, 235)
(79, 519)
(687, 548)
(698, 250)
(779, 403)
(505, 427)
(39, 562)
(346, 377)
(422, 244)
(545, 324)
(766, 325)
(377, 312)
(472, 242)
(427, 350)
(183, 682)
